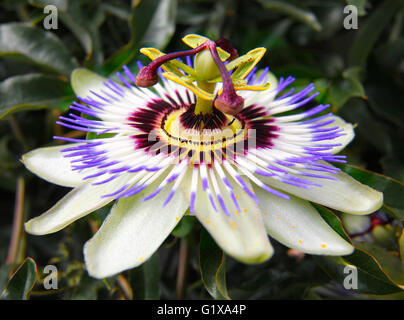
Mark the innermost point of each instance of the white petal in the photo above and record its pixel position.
(344, 194)
(132, 232)
(49, 164)
(76, 204)
(84, 80)
(296, 224)
(242, 234)
(348, 136)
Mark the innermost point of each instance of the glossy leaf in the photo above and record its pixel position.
(34, 45)
(145, 279)
(370, 31)
(162, 26)
(143, 13)
(4, 275)
(34, 91)
(360, 4)
(333, 221)
(88, 288)
(212, 265)
(371, 278)
(184, 227)
(22, 281)
(356, 111)
(295, 12)
(84, 24)
(349, 86)
(389, 262)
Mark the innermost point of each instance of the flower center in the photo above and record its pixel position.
(213, 124)
(173, 129)
(200, 145)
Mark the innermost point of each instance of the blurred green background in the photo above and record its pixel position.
(359, 72)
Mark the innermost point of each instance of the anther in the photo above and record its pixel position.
(147, 76)
(228, 102)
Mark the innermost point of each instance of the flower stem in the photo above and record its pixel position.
(17, 222)
(182, 268)
(125, 286)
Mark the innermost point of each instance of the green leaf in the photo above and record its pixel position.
(385, 98)
(184, 227)
(22, 281)
(34, 91)
(34, 45)
(145, 279)
(60, 4)
(390, 54)
(371, 278)
(360, 4)
(144, 14)
(368, 264)
(393, 190)
(117, 9)
(162, 26)
(293, 11)
(401, 245)
(4, 275)
(389, 263)
(358, 112)
(370, 31)
(341, 91)
(349, 86)
(333, 221)
(87, 289)
(212, 266)
(83, 22)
